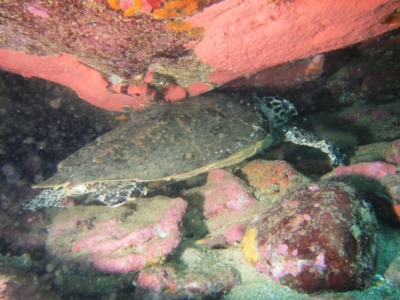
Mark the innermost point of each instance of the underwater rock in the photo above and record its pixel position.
(319, 238)
(21, 232)
(366, 124)
(168, 283)
(379, 182)
(385, 129)
(372, 170)
(230, 35)
(71, 72)
(271, 179)
(120, 240)
(369, 153)
(392, 186)
(16, 283)
(174, 92)
(330, 296)
(361, 115)
(227, 202)
(125, 46)
(225, 194)
(358, 126)
(23, 239)
(392, 154)
(392, 273)
(198, 88)
(227, 205)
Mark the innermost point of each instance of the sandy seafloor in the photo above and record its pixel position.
(28, 106)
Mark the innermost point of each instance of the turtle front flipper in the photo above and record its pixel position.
(117, 193)
(47, 198)
(278, 112)
(305, 138)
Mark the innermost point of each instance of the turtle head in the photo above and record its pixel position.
(278, 112)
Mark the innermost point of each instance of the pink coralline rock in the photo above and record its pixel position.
(69, 71)
(174, 92)
(37, 12)
(233, 39)
(225, 195)
(392, 154)
(235, 233)
(372, 170)
(227, 206)
(119, 242)
(320, 237)
(271, 179)
(162, 282)
(233, 27)
(197, 88)
(379, 182)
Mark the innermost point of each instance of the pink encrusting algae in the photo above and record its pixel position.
(111, 247)
(373, 170)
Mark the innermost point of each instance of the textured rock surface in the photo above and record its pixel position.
(392, 153)
(198, 53)
(378, 181)
(227, 206)
(229, 36)
(369, 153)
(393, 271)
(69, 71)
(192, 283)
(270, 179)
(227, 202)
(117, 241)
(18, 284)
(320, 237)
(41, 125)
(372, 170)
(20, 232)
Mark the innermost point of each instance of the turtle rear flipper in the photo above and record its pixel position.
(47, 198)
(303, 137)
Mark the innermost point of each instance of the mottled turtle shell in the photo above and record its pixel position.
(169, 142)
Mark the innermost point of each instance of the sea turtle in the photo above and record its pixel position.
(172, 142)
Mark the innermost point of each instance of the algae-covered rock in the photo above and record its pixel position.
(320, 237)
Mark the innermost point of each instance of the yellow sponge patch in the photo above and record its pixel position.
(249, 246)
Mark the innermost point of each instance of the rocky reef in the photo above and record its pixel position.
(127, 53)
(281, 225)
